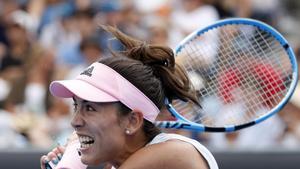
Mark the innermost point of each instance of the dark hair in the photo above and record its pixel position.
(152, 69)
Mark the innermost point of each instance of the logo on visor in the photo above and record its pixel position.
(88, 71)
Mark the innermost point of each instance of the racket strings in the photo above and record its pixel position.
(234, 51)
(243, 63)
(271, 47)
(199, 120)
(254, 88)
(284, 62)
(262, 45)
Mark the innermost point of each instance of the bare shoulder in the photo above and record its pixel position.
(173, 154)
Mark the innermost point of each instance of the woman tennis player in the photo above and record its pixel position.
(116, 101)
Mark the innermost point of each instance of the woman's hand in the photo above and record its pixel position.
(53, 156)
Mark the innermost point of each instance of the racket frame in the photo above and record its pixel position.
(183, 123)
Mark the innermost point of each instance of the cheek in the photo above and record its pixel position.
(108, 132)
(109, 143)
(109, 140)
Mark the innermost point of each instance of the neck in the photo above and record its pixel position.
(134, 142)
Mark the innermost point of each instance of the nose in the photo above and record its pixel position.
(77, 120)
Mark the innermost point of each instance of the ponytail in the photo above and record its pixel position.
(152, 62)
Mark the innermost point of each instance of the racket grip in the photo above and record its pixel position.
(71, 158)
(49, 165)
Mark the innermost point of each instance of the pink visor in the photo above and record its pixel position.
(100, 83)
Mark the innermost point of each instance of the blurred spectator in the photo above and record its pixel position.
(291, 116)
(232, 8)
(109, 13)
(132, 23)
(190, 15)
(54, 10)
(152, 7)
(267, 11)
(20, 57)
(90, 52)
(9, 138)
(158, 32)
(62, 38)
(261, 136)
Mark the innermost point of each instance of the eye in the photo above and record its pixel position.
(89, 108)
(75, 107)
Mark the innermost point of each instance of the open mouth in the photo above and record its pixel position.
(86, 141)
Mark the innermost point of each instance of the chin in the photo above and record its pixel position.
(85, 160)
(89, 161)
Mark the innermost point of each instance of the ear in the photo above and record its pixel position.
(135, 122)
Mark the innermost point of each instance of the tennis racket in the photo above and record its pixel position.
(243, 71)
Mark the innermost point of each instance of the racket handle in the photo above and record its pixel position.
(71, 158)
(49, 165)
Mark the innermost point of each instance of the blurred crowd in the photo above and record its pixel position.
(43, 40)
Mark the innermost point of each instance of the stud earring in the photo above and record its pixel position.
(127, 131)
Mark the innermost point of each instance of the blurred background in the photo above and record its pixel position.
(43, 40)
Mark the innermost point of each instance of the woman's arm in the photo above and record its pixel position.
(173, 154)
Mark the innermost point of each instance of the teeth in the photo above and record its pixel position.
(86, 141)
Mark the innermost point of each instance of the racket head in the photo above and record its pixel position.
(243, 70)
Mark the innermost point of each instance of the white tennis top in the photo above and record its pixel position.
(163, 137)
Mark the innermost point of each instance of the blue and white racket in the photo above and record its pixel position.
(243, 70)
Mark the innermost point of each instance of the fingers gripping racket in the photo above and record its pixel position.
(243, 70)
